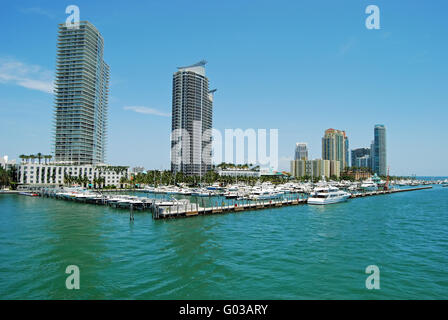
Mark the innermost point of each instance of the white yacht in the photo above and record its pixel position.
(266, 194)
(148, 189)
(327, 195)
(369, 185)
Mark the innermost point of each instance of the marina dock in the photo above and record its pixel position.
(174, 208)
(195, 210)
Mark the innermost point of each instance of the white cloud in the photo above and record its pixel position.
(146, 110)
(26, 75)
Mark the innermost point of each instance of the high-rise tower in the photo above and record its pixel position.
(379, 153)
(191, 136)
(301, 151)
(334, 144)
(81, 96)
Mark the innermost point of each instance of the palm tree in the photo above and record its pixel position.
(4, 178)
(22, 157)
(47, 158)
(39, 156)
(66, 179)
(123, 180)
(85, 181)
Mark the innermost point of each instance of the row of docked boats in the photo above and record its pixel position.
(266, 190)
(118, 201)
(262, 191)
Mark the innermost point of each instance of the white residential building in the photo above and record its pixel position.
(192, 115)
(53, 174)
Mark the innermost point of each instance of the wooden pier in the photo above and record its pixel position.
(193, 210)
(382, 192)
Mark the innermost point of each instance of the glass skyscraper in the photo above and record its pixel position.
(361, 153)
(81, 96)
(379, 150)
(191, 136)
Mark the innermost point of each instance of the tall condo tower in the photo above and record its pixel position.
(191, 136)
(81, 96)
(334, 144)
(379, 154)
(301, 151)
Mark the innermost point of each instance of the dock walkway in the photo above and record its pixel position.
(192, 210)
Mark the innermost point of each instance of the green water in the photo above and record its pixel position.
(303, 252)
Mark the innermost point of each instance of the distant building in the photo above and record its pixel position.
(363, 162)
(335, 168)
(237, 172)
(347, 153)
(372, 154)
(7, 164)
(301, 152)
(81, 96)
(358, 174)
(138, 170)
(315, 168)
(271, 172)
(361, 153)
(334, 144)
(54, 174)
(191, 136)
(379, 146)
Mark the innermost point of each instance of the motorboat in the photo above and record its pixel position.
(29, 194)
(231, 195)
(369, 185)
(267, 194)
(327, 195)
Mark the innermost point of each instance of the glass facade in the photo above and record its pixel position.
(379, 152)
(301, 152)
(191, 137)
(81, 96)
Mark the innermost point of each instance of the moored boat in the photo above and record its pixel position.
(327, 195)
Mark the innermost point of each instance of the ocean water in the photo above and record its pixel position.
(302, 252)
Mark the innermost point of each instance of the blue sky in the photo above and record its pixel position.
(297, 66)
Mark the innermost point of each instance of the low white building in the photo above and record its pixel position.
(54, 173)
(237, 172)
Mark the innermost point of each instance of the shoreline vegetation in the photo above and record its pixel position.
(8, 178)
